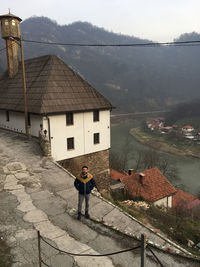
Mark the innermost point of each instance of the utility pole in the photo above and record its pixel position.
(24, 88)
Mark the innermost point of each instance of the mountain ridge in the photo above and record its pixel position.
(132, 78)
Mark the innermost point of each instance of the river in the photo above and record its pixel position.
(188, 167)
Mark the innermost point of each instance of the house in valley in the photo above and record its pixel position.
(151, 185)
(187, 129)
(74, 116)
(154, 187)
(184, 199)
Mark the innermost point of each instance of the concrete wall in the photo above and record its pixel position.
(17, 122)
(82, 131)
(164, 202)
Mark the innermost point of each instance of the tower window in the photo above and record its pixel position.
(13, 22)
(6, 23)
(70, 143)
(7, 115)
(96, 138)
(96, 115)
(69, 118)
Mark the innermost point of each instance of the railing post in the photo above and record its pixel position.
(39, 249)
(143, 250)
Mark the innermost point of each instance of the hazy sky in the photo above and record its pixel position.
(157, 20)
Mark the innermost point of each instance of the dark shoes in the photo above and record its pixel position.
(87, 216)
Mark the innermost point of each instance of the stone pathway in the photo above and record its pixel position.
(16, 176)
(47, 201)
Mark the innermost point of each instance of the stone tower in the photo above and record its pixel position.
(10, 31)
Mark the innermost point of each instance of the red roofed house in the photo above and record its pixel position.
(149, 184)
(115, 175)
(187, 128)
(153, 186)
(182, 198)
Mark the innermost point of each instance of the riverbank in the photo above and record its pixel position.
(162, 143)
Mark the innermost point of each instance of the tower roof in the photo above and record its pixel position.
(52, 87)
(9, 15)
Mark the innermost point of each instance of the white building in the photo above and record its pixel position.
(187, 129)
(74, 117)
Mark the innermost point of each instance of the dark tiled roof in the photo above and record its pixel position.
(52, 87)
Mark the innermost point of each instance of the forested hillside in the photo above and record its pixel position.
(133, 78)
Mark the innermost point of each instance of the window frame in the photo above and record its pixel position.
(96, 116)
(69, 118)
(70, 146)
(29, 119)
(7, 115)
(96, 138)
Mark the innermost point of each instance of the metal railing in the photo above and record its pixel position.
(143, 247)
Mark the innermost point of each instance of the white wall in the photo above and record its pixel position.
(17, 122)
(36, 120)
(82, 131)
(163, 202)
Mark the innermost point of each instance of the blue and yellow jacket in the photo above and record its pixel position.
(84, 184)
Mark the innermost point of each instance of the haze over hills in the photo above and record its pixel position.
(132, 78)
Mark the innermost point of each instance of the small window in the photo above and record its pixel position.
(96, 138)
(6, 23)
(13, 22)
(96, 115)
(29, 119)
(70, 143)
(69, 118)
(7, 115)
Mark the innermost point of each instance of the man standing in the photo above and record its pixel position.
(84, 183)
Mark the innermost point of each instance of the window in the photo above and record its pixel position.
(7, 115)
(13, 22)
(69, 118)
(6, 22)
(96, 115)
(96, 138)
(29, 119)
(70, 143)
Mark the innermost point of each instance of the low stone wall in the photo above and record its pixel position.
(98, 164)
(44, 144)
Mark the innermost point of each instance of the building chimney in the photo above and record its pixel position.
(141, 177)
(130, 172)
(10, 31)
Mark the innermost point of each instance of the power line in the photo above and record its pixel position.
(2, 49)
(149, 44)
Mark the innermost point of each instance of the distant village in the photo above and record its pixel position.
(187, 132)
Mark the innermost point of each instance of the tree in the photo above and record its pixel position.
(145, 159)
(119, 161)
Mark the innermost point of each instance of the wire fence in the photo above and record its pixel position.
(142, 246)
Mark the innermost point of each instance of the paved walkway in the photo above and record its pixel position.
(47, 201)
